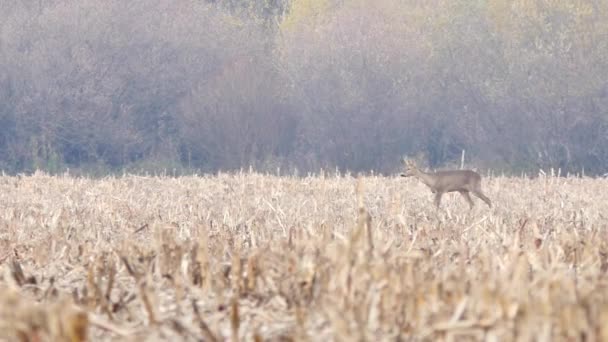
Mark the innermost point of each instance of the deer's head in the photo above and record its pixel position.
(410, 168)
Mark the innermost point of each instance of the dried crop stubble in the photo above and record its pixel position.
(250, 256)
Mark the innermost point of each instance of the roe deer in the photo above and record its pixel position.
(463, 181)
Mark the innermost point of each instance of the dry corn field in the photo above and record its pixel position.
(254, 257)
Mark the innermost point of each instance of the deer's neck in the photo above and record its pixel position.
(427, 179)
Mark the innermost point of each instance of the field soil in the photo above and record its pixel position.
(253, 257)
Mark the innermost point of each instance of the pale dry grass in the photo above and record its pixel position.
(258, 257)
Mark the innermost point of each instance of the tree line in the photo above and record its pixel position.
(103, 86)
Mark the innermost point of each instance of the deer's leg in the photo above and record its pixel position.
(438, 198)
(467, 197)
(478, 193)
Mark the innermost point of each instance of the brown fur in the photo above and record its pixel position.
(463, 181)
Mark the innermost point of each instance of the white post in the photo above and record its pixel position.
(462, 160)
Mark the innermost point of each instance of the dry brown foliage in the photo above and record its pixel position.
(251, 257)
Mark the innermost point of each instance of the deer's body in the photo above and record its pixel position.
(463, 181)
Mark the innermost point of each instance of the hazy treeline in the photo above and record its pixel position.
(307, 84)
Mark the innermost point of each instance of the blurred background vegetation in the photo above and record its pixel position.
(105, 86)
